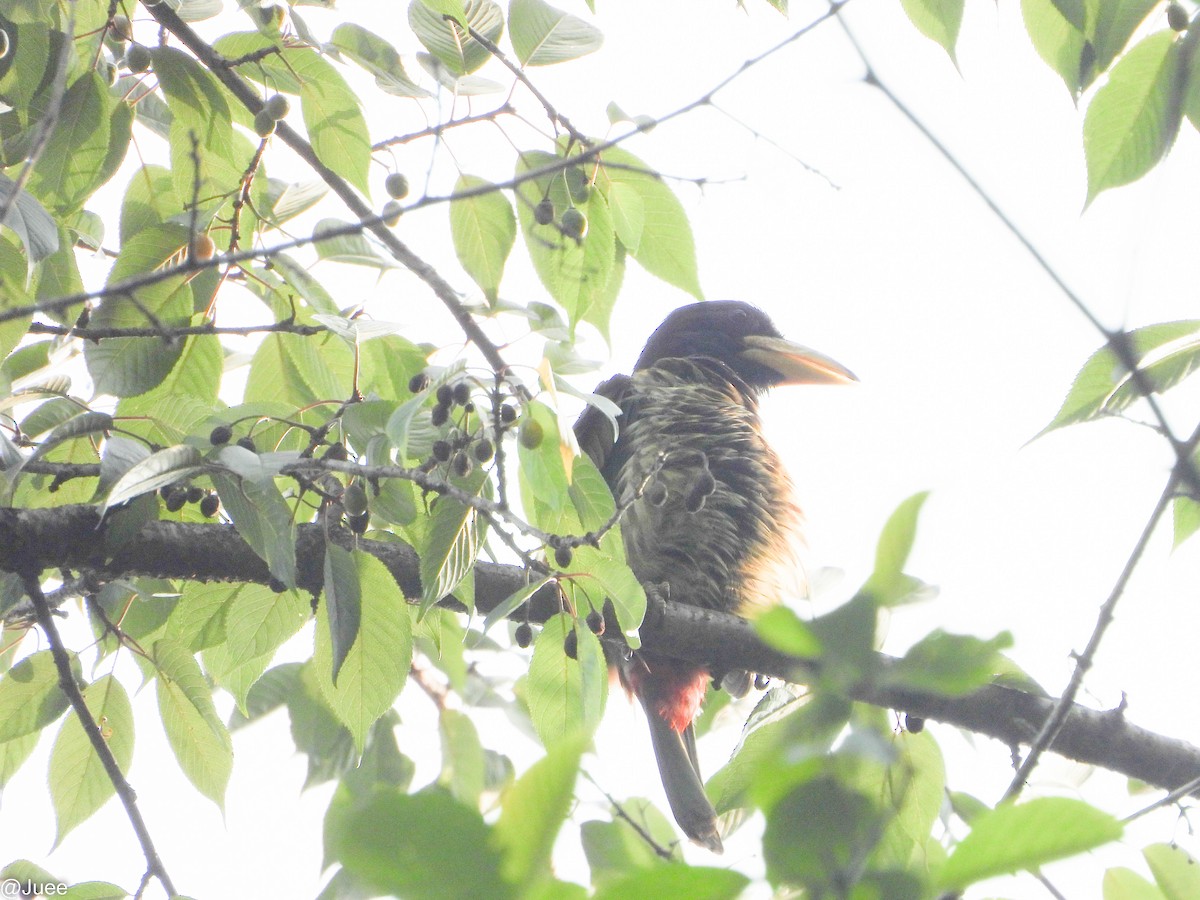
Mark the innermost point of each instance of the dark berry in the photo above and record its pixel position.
(462, 393)
(209, 505)
(595, 622)
(508, 413)
(247, 443)
(484, 450)
(176, 499)
(445, 395)
(543, 213)
(914, 724)
(1177, 17)
(524, 635)
(439, 415)
(220, 435)
(562, 557)
(418, 383)
(337, 452)
(195, 494)
(468, 407)
(462, 464)
(358, 524)
(441, 450)
(571, 645)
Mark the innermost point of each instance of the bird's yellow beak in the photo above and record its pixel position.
(795, 363)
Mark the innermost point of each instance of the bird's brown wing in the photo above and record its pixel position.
(594, 431)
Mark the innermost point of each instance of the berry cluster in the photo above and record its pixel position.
(465, 440)
(176, 496)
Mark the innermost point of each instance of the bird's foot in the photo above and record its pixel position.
(657, 596)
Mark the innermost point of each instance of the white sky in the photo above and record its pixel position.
(964, 348)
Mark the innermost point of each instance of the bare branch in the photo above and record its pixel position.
(66, 680)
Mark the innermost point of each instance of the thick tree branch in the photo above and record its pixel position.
(72, 537)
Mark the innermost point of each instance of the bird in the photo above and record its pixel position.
(709, 515)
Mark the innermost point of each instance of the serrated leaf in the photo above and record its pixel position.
(343, 602)
(449, 41)
(36, 228)
(1116, 21)
(484, 229)
(566, 696)
(665, 247)
(949, 664)
(264, 521)
(452, 542)
(414, 846)
(354, 249)
(335, 122)
(1100, 379)
(1125, 884)
(533, 809)
(1133, 119)
(1175, 872)
(462, 757)
(155, 471)
(86, 422)
(782, 629)
(128, 366)
(939, 20)
(1063, 46)
(30, 695)
(888, 584)
(197, 736)
(378, 57)
(79, 783)
(71, 163)
(542, 35)
(575, 272)
(376, 666)
(1012, 838)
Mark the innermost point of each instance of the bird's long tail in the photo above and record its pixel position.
(676, 755)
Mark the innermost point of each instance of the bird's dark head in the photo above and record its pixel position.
(743, 338)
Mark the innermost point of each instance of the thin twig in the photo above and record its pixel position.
(66, 679)
(1173, 797)
(440, 128)
(172, 331)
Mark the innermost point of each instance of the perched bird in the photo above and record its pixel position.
(714, 522)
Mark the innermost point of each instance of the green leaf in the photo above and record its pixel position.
(79, 783)
(36, 228)
(781, 628)
(71, 164)
(888, 585)
(949, 664)
(1174, 870)
(451, 543)
(261, 516)
(597, 576)
(692, 882)
(1012, 838)
(376, 665)
(566, 696)
(817, 834)
(256, 621)
(665, 247)
(484, 229)
(155, 471)
(543, 472)
(197, 736)
(334, 120)
(533, 809)
(1187, 518)
(1132, 120)
(1059, 43)
(424, 846)
(30, 696)
(1125, 884)
(543, 35)
(575, 272)
(463, 759)
(378, 57)
(912, 787)
(939, 20)
(1103, 386)
(129, 366)
(343, 603)
(615, 849)
(86, 422)
(1116, 21)
(449, 41)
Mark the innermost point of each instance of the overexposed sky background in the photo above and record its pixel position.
(965, 350)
